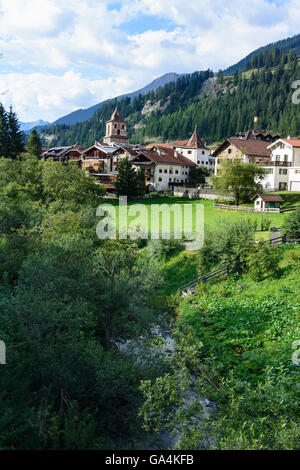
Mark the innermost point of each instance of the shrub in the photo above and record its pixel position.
(263, 261)
(292, 224)
(164, 248)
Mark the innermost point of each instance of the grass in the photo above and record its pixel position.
(213, 217)
(240, 315)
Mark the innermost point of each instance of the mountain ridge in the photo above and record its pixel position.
(81, 115)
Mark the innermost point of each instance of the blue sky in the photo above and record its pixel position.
(58, 56)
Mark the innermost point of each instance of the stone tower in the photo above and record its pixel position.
(116, 129)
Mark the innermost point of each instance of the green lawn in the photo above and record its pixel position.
(213, 217)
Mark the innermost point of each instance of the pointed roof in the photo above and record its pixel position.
(116, 116)
(195, 142)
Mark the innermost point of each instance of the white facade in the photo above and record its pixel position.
(283, 170)
(201, 156)
(165, 174)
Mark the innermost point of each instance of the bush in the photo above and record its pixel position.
(263, 261)
(164, 248)
(292, 224)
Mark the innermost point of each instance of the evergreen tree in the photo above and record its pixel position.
(140, 180)
(34, 146)
(16, 146)
(4, 133)
(126, 183)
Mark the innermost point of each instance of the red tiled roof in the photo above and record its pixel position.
(180, 143)
(294, 143)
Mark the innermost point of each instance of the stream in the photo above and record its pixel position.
(166, 440)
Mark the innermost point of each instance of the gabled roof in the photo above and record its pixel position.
(293, 143)
(106, 149)
(269, 197)
(165, 158)
(251, 147)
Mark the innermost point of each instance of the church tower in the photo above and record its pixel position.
(116, 129)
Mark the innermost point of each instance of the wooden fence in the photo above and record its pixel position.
(226, 269)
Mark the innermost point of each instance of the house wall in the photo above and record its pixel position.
(277, 177)
(294, 179)
(201, 157)
(165, 174)
(282, 150)
(230, 153)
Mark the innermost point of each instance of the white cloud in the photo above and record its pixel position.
(62, 55)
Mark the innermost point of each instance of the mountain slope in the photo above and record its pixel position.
(82, 115)
(285, 45)
(27, 126)
(220, 106)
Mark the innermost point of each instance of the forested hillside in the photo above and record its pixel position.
(220, 106)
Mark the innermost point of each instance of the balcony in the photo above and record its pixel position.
(272, 163)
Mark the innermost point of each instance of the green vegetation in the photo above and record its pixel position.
(235, 338)
(130, 183)
(242, 179)
(226, 108)
(34, 146)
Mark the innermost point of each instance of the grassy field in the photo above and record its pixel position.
(213, 217)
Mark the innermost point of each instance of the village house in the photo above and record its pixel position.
(250, 149)
(267, 203)
(164, 168)
(194, 149)
(64, 154)
(283, 169)
(246, 147)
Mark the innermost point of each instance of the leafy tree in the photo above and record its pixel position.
(34, 145)
(68, 183)
(197, 175)
(242, 179)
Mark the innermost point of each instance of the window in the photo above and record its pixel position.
(123, 127)
(203, 153)
(176, 172)
(282, 172)
(202, 162)
(229, 151)
(159, 179)
(297, 172)
(189, 152)
(269, 171)
(160, 171)
(171, 171)
(198, 162)
(166, 171)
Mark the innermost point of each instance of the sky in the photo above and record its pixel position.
(57, 56)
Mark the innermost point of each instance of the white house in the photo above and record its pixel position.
(283, 169)
(164, 168)
(195, 150)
